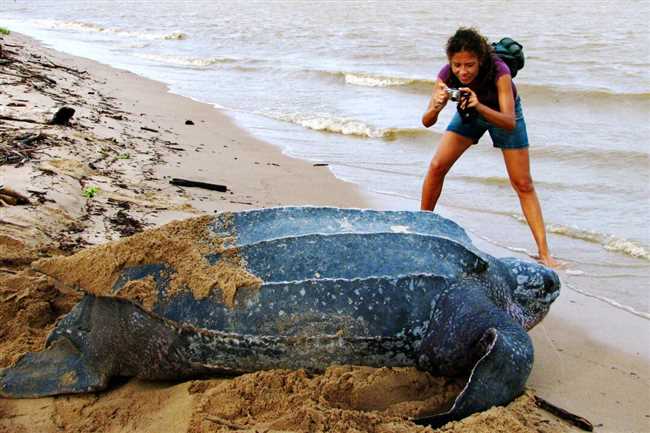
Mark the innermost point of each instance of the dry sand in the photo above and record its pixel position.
(106, 147)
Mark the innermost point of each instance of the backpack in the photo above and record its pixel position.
(511, 52)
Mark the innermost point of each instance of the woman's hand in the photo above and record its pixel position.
(468, 102)
(440, 96)
(437, 102)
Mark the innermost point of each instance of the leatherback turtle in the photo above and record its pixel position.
(329, 285)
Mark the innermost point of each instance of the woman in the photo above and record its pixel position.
(490, 94)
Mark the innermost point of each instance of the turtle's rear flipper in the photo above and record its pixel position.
(498, 377)
(59, 369)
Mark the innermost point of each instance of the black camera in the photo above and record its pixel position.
(454, 94)
(467, 114)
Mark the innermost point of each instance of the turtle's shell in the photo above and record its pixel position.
(322, 271)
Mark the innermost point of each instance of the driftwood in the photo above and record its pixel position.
(144, 128)
(17, 119)
(9, 197)
(576, 420)
(21, 148)
(52, 65)
(192, 183)
(30, 76)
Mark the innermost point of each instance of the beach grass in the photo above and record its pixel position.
(4, 31)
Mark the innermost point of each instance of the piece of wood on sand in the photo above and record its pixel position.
(12, 198)
(574, 419)
(196, 184)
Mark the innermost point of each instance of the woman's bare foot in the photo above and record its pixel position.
(548, 261)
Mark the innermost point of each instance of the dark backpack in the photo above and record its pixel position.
(511, 52)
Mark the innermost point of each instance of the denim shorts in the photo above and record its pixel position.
(501, 138)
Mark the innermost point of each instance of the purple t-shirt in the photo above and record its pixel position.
(487, 93)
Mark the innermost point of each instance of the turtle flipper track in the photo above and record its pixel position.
(498, 377)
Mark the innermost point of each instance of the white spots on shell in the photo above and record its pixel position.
(302, 292)
(399, 229)
(419, 331)
(346, 225)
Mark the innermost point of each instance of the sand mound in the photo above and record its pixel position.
(29, 306)
(343, 399)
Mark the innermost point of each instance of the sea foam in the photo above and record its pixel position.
(187, 61)
(81, 26)
(340, 125)
(607, 241)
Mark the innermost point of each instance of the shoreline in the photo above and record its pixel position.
(261, 175)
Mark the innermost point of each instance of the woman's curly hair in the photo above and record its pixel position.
(469, 39)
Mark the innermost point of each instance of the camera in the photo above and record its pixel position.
(454, 94)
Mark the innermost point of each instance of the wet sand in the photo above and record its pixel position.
(128, 138)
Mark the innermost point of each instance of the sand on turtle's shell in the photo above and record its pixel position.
(182, 245)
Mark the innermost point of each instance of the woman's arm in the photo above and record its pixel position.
(437, 102)
(506, 117)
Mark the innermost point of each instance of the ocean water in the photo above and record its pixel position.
(346, 82)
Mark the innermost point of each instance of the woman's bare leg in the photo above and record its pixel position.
(451, 147)
(518, 166)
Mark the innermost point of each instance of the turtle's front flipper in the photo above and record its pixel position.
(60, 369)
(497, 377)
(102, 337)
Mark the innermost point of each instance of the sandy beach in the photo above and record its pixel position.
(106, 175)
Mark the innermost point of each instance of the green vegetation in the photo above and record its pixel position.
(124, 156)
(4, 31)
(90, 191)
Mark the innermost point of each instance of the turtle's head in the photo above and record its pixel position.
(534, 288)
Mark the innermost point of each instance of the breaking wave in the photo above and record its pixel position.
(368, 80)
(81, 26)
(608, 242)
(347, 126)
(189, 61)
